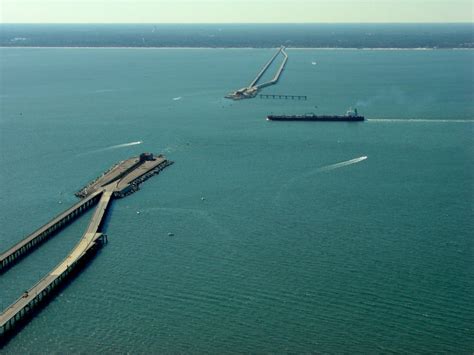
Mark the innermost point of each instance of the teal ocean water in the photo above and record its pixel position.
(312, 237)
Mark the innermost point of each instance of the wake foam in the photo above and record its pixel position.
(118, 146)
(415, 120)
(123, 145)
(294, 179)
(343, 164)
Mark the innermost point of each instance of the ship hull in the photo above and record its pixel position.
(316, 118)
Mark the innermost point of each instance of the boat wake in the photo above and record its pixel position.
(294, 179)
(122, 145)
(177, 98)
(343, 164)
(176, 148)
(118, 146)
(415, 120)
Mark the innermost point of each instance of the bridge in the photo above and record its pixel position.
(278, 73)
(31, 298)
(252, 90)
(286, 97)
(35, 239)
(118, 181)
(264, 69)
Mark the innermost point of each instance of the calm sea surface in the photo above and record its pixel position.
(301, 244)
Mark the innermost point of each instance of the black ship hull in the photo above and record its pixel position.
(324, 118)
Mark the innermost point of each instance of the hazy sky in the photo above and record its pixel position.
(234, 11)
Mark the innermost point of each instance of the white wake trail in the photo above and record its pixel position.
(416, 120)
(342, 164)
(123, 145)
(118, 146)
(294, 179)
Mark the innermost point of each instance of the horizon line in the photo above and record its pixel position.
(238, 23)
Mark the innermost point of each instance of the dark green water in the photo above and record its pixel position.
(288, 251)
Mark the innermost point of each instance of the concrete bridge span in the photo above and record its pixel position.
(35, 239)
(120, 181)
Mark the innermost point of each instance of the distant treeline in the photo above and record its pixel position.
(244, 35)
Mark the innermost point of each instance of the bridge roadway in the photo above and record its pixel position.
(286, 97)
(264, 69)
(278, 74)
(28, 244)
(122, 176)
(34, 295)
(252, 90)
(120, 181)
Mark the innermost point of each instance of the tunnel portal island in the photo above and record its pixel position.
(120, 180)
(126, 176)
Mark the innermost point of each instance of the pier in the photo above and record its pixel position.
(119, 181)
(286, 97)
(252, 90)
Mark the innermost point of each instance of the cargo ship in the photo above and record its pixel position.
(350, 116)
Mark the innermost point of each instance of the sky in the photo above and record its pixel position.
(234, 11)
